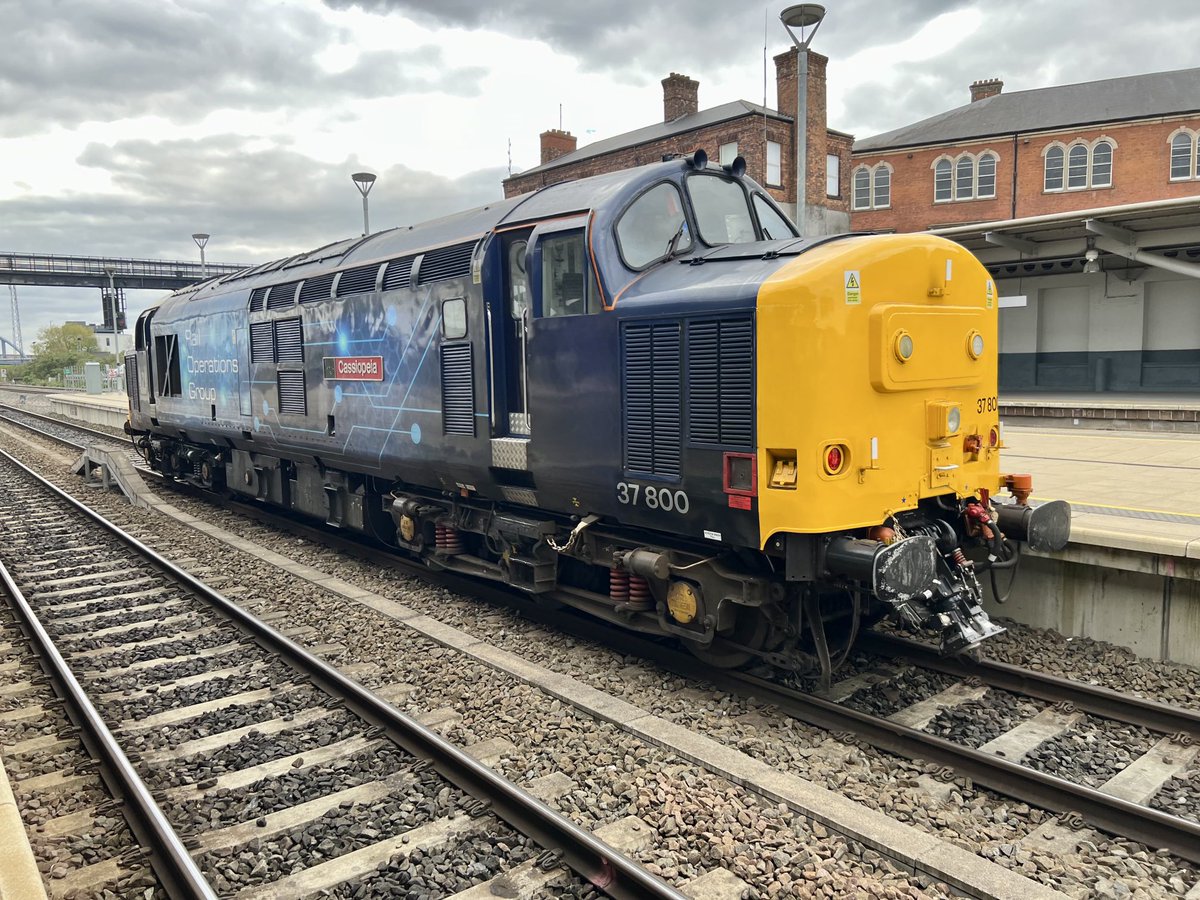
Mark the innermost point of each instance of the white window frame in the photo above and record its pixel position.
(871, 179)
(1193, 164)
(954, 162)
(833, 175)
(1061, 148)
(724, 158)
(979, 195)
(1089, 148)
(1112, 156)
(950, 176)
(778, 164)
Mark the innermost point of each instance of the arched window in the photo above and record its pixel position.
(881, 175)
(964, 178)
(943, 189)
(1183, 152)
(1077, 166)
(1102, 154)
(873, 187)
(1054, 169)
(862, 188)
(986, 180)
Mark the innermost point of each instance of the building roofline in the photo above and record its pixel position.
(1125, 209)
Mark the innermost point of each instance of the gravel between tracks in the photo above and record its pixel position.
(493, 705)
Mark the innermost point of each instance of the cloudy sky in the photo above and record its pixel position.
(126, 125)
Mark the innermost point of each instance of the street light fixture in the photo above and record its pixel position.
(364, 181)
(201, 240)
(800, 17)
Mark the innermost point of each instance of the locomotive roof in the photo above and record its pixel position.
(564, 198)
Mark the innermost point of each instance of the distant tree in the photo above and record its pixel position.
(58, 347)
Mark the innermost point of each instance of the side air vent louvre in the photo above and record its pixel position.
(398, 273)
(292, 399)
(131, 385)
(317, 289)
(720, 367)
(289, 341)
(257, 297)
(458, 390)
(446, 262)
(652, 397)
(358, 281)
(282, 296)
(262, 342)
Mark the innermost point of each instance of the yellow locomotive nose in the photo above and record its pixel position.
(876, 382)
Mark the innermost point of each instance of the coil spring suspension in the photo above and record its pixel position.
(618, 585)
(639, 591)
(448, 540)
(960, 558)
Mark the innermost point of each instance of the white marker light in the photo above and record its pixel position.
(953, 420)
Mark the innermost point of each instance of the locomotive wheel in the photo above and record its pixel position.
(750, 630)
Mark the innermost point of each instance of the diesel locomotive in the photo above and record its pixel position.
(641, 394)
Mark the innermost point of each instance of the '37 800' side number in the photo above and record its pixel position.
(986, 404)
(652, 497)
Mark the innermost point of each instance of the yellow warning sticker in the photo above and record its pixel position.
(853, 287)
(990, 294)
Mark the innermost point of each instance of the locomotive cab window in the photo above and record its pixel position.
(166, 365)
(722, 213)
(565, 289)
(653, 227)
(775, 227)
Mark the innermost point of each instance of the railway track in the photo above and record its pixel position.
(1053, 710)
(245, 765)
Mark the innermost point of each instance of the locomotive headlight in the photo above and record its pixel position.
(902, 346)
(953, 420)
(975, 345)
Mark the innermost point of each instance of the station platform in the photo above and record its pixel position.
(110, 409)
(1111, 410)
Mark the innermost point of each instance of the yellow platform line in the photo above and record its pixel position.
(1161, 512)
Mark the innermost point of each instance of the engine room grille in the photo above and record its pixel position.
(358, 281)
(446, 262)
(458, 390)
(293, 400)
(398, 273)
(282, 296)
(289, 341)
(257, 297)
(262, 342)
(131, 385)
(652, 397)
(720, 370)
(317, 289)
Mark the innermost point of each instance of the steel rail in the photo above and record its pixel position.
(178, 873)
(1103, 811)
(5, 409)
(603, 866)
(1090, 698)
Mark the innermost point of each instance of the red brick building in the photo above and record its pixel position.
(764, 137)
(1029, 153)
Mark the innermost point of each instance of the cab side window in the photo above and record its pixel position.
(565, 288)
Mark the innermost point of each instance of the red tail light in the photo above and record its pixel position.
(994, 437)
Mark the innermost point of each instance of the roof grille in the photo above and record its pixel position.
(458, 390)
(282, 296)
(652, 397)
(398, 274)
(317, 289)
(289, 341)
(720, 367)
(257, 297)
(293, 400)
(446, 262)
(358, 281)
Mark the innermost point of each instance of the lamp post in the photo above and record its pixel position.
(201, 240)
(364, 181)
(798, 18)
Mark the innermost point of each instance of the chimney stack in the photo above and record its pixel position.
(680, 97)
(556, 143)
(989, 87)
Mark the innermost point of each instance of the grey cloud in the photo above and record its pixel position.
(258, 204)
(86, 61)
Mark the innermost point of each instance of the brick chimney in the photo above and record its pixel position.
(680, 97)
(556, 143)
(989, 87)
